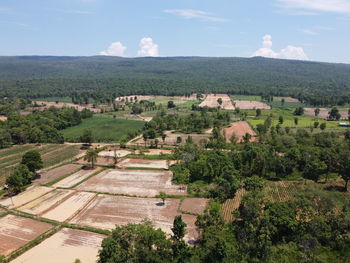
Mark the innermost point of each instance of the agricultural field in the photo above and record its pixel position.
(143, 163)
(250, 104)
(110, 153)
(58, 172)
(43, 105)
(51, 154)
(105, 129)
(65, 246)
(232, 205)
(107, 211)
(132, 182)
(211, 100)
(238, 130)
(17, 231)
(76, 178)
(324, 113)
(194, 205)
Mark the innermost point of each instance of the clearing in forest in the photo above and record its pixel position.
(107, 211)
(17, 231)
(194, 205)
(238, 130)
(324, 113)
(211, 101)
(65, 246)
(133, 182)
(250, 105)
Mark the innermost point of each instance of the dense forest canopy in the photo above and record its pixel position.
(43, 76)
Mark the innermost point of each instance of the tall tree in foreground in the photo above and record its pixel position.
(20, 177)
(32, 159)
(91, 157)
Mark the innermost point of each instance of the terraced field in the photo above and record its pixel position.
(50, 153)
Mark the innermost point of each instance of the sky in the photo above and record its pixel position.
(317, 30)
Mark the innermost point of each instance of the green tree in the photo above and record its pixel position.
(317, 111)
(280, 120)
(334, 114)
(32, 159)
(299, 111)
(91, 157)
(254, 184)
(87, 136)
(136, 243)
(171, 104)
(342, 165)
(20, 177)
(5, 138)
(162, 195)
(219, 100)
(296, 121)
(316, 123)
(258, 112)
(323, 126)
(246, 137)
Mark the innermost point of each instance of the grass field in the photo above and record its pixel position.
(50, 153)
(105, 129)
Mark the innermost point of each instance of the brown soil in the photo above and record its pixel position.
(107, 211)
(75, 178)
(99, 161)
(133, 182)
(239, 129)
(211, 100)
(250, 105)
(324, 113)
(65, 246)
(286, 99)
(58, 172)
(17, 231)
(143, 163)
(45, 105)
(194, 205)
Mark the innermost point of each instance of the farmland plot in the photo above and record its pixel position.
(239, 129)
(211, 100)
(75, 178)
(119, 153)
(43, 203)
(107, 211)
(30, 194)
(58, 172)
(232, 205)
(65, 246)
(144, 163)
(133, 182)
(194, 205)
(17, 231)
(69, 207)
(250, 105)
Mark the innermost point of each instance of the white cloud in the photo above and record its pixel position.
(308, 31)
(115, 49)
(336, 6)
(196, 14)
(148, 48)
(290, 52)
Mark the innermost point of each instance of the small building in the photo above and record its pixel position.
(3, 118)
(344, 124)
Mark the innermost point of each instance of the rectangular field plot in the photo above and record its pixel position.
(43, 203)
(58, 172)
(211, 100)
(119, 153)
(25, 197)
(238, 130)
(17, 231)
(107, 211)
(76, 178)
(143, 163)
(133, 182)
(194, 205)
(69, 207)
(64, 247)
(250, 105)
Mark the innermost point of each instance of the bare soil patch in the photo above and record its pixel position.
(58, 172)
(65, 246)
(132, 98)
(324, 113)
(17, 231)
(250, 105)
(30, 194)
(45, 202)
(143, 163)
(107, 211)
(133, 182)
(211, 100)
(239, 129)
(157, 152)
(119, 153)
(69, 207)
(46, 104)
(75, 178)
(194, 205)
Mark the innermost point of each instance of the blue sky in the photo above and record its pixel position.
(293, 29)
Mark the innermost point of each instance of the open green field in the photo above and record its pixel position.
(50, 153)
(54, 99)
(246, 97)
(104, 129)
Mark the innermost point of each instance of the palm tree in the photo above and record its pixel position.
(91, 157)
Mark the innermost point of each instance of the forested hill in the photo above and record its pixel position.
(38, 76)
